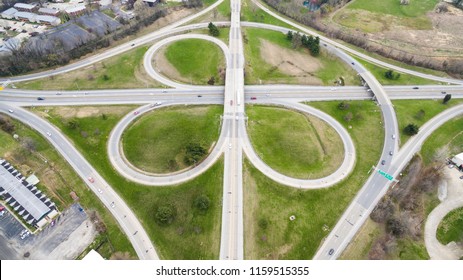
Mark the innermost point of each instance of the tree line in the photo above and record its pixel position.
(310, 42)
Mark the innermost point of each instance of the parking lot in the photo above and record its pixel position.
(64, 239)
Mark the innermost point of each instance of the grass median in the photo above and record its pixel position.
(296, 144)
(269, 233)
(272, 59)
(418, 112)
(190, 233)
(157, 142)
(451, 227)
(119, 72)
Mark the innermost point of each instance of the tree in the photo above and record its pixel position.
(165, 214)
(211, 81)
(411, 129)
(343, 105)
(395, 227)
(213, 30)
(202, 202)
(296, 41)
(194, 153)
(348, 117)
(447, 98)
(289, 35)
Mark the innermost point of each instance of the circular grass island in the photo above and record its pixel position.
(191, 61)
(295, 144)
(172, 138)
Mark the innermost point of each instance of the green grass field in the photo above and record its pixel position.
(451, 227)
(258, 70)
(269, 234)
(57, 180)
(295, 144)
(392, 7)
(418, 112)
(122, 71)
(448, 135)
(404, 79)
(160, 137)
(250, 12)
(193, 234)
(374, 16)
(196, 60)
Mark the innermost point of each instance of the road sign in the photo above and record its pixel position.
(387, 176)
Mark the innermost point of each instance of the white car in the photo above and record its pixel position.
(11, 111)
(112, 204)
(48, 133)
(99, 190)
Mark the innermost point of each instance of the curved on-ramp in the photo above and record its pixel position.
(147, 59)
(342, 172)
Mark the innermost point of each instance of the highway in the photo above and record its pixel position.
(115, 204)
(233, 138)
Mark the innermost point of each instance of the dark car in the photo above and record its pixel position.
(253, 98)
(461, 177)
(383, 162)
(415, 87)
(40, 98)
(200, 96)
(443, 92)
(331, 252)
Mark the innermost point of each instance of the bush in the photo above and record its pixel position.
(165, 214)
(202, 202)
(411, 129)
(194, 153)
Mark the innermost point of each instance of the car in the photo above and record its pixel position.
(268, 95)
(58, 93)
(393, 136)
(164, 91)
(331, 252)
(155, 104)
(253, 98)
(415, 87)
(91, 180)
(451, 166)
(11, 111)
(200, 96)
(461, 177)
(352, 63)
(443, 92)
(230, 146)
(132, 45)
(48, 133)
(390, 153)
(2, 208)
(52, 223)
(112, 204)
(383, 162)
(136, 113)
(99, 190)
(40, 98)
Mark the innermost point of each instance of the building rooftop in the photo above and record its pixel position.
(48, 11)
(14, 186)
(27, 15)
(75, 9)
(10, 12)
(47, 18)
(24, 6)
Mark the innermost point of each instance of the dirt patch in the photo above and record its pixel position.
(299, 65)
(163, 66)
(84, 112)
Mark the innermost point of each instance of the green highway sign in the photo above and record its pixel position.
(389, 177)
